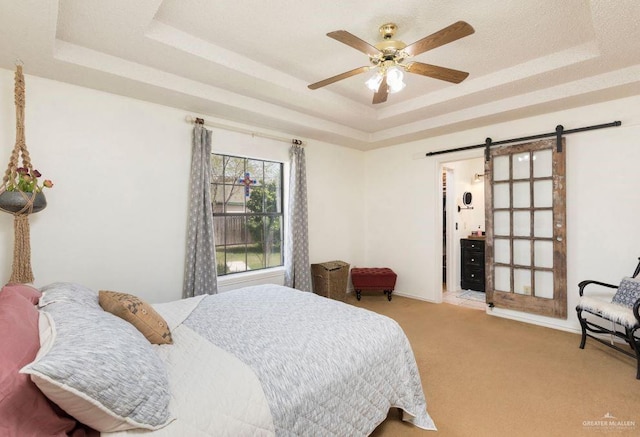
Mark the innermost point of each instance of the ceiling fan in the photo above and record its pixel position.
(389, 55)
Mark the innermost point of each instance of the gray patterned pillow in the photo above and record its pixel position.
(628, 292)
(68, 292)
(100, 369)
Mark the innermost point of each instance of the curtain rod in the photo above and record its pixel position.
(194, 120)
(558, 134)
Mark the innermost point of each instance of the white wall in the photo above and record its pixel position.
(336, 204)
(469, 219)
(116, 216)
(403, 217)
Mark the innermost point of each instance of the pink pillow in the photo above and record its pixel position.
(27, 291)
(24, 410)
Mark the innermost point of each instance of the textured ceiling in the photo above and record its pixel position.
(250, 61)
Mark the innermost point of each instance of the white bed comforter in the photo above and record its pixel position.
(269, 360)
(212, 392)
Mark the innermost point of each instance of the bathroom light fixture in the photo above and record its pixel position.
(477, 176)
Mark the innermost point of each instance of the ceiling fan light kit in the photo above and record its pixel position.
(373, 83)
(387, 57)
(394, 79)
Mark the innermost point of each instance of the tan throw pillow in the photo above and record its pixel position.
(137, 312)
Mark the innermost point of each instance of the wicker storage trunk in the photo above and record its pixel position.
(330, 279)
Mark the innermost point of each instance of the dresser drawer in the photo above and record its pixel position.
(472, 244)
(473, 280)
(475, 259)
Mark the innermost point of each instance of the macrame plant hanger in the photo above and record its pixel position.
(20, 203)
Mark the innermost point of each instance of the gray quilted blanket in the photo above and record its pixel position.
(327, 368)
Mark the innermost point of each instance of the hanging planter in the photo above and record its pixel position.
(19, 202)
(20, 192)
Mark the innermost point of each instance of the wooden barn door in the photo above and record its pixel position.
(526, 228)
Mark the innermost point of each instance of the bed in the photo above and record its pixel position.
(265, 360)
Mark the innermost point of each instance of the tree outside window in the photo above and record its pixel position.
(248, 228)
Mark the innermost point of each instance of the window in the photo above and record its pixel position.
(247, 213)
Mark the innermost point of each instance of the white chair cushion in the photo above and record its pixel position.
(611, 311)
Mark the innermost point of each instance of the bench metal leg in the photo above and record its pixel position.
(629, 336)
(583, 325)
(635, 345)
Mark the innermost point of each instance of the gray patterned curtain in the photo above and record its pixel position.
(298, 273)
(200, 264)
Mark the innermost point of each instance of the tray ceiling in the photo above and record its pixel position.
(250, 62)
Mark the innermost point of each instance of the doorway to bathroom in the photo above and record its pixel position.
(462, 219)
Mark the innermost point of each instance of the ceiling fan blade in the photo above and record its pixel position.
(380, 96)
(444, 36)
(442, 73)
(346, 74)
(353, 41)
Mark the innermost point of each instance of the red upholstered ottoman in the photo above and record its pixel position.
(373, 278)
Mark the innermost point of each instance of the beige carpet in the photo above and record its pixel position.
(486, 376)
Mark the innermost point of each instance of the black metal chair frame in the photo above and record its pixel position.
(630, 334)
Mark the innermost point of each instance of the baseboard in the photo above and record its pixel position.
(531, 319)
(411, 296)
(519, 317)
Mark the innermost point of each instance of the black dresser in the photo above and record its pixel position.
(472, 264)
